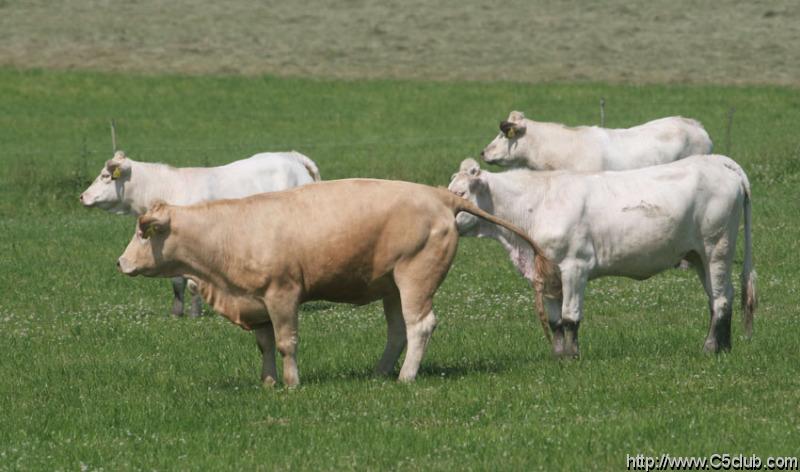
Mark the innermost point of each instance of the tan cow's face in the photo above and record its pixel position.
(107, 190)
(149, 252)
(505, 149)
(467, 184)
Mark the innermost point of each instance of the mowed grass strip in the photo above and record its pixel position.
(95, 375)
(622, 41)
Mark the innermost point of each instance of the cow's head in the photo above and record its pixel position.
(151, 249)
(506, 149)
(469, 183)
(108, 189)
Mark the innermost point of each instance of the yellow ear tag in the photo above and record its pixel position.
(149, 232)
(116, 174)
(511, 133)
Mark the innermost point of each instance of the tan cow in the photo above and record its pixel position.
(354, 241)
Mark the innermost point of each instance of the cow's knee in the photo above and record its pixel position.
(423, 327)
(287, 346)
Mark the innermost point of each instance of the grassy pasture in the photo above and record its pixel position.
(95, 375)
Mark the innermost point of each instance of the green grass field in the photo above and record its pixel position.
(94, 375)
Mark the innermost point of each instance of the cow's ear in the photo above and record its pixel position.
(471, 167)
(118, 166)
(511, 130)
(516, 116)
(150, 225)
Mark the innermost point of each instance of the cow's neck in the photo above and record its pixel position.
(198, 253)
(544, 146)
(516, 204)
(532, 143)
(150, 182)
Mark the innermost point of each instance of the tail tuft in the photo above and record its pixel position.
(749, 302)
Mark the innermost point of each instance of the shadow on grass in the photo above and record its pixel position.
(433, 370)
(317, 306)
(428, 370)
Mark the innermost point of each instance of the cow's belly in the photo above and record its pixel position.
(242, 310)
(640, 266)
(642, 254)
(354, 290)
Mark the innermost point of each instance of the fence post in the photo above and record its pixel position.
(728, 131)
(113, 137)
(602, 112)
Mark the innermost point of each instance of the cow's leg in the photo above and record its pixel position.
(417, 279)
(573, 284)
(720, 295)
(197, 300)
(395, 334)
(420, 323)
(282, 308)
(178, 288)
(553, 308)
(265, 337)
(701, 267)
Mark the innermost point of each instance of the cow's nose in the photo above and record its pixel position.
(483, 154)
(119, 267)
(80, 198)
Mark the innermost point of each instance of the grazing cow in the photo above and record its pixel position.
(634, 223)
(128, 187)
(353, 241)
(552, 146)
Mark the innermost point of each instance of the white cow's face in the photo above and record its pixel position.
(467, 184)
(149, 252)
(506, 149)
(107, 190)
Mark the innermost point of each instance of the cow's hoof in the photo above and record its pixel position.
(713, 347)
(177, 309)
(196, 309)
(268, 382)
(567, 354)
(382, 373)
(558, 347)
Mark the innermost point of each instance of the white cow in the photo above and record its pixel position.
(552, 146)
(633, 223)
(129, 187)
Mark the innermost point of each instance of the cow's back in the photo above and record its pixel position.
(264, 172)
(656, 142)
(314, 233)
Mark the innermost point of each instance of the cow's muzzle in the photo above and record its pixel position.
(124, 266)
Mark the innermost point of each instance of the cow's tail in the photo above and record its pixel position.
(748, 280)
(749, 296)
(545, 272)
(310, 165)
